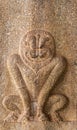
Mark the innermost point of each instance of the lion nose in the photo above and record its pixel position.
(34, 54)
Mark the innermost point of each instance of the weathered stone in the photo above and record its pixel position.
(38, 68)
(38, 125)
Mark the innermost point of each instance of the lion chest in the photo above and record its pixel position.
(34, 81)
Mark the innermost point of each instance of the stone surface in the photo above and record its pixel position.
(18, 20)
(39, 125)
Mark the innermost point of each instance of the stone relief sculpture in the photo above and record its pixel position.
(34, 72)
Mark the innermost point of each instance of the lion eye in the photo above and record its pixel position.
(43, 42)
(32, 42)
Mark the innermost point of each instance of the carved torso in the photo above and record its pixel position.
(36, 52)
(35, 78)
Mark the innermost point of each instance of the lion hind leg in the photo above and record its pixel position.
(56, 103)
(10, 103)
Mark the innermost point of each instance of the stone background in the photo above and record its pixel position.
(56, 16)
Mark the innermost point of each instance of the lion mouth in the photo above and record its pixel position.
(37, 55)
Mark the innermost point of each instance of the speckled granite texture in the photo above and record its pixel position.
(59, 18)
